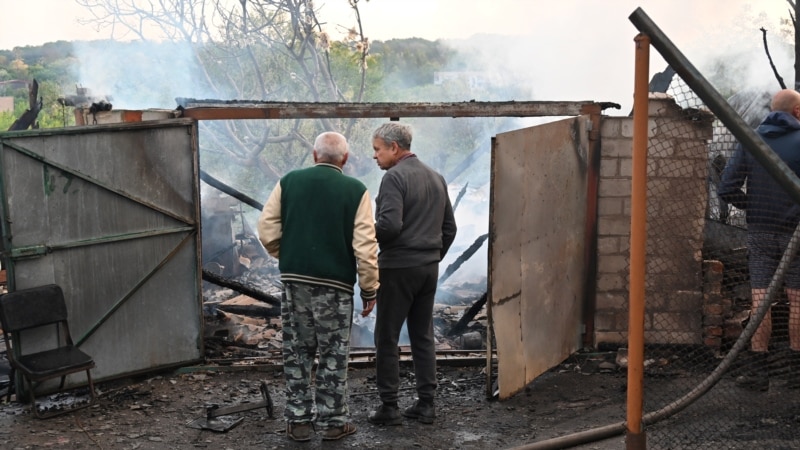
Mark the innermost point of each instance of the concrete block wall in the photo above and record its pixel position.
(676, 199)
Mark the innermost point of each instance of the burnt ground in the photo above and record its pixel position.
(242, 351)
(584, 393)
(153, 412)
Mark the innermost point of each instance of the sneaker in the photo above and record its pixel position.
(386, 415)
(299, 431)
(334, 433)
(423, 412)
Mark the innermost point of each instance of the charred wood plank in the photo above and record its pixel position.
(219, 280)
(244, 198)
(28, 118)
(463, 257)
(460, 196)
(469, 314)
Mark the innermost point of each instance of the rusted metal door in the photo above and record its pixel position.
(111, 213)
(537, 265)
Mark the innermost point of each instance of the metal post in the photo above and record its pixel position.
(635, 433)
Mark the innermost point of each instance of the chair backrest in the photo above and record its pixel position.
(33, 307)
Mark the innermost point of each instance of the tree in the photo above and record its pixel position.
(265, 50)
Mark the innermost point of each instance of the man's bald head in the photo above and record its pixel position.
(787, 100)
(331, 147)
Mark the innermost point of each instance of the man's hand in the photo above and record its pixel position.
(368, 306)
(368, 299)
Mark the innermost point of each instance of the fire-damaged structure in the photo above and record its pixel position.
(223, 260)
(557, 228)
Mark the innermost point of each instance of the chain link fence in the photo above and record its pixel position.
(712, 259)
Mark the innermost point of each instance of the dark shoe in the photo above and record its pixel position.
(334, 433)
(300, 431)
(756, 375)
(423, 412)
(386, 415)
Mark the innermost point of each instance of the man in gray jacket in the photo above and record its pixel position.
(415, 227)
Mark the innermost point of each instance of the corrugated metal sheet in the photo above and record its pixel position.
(112, 214)
(537, 251)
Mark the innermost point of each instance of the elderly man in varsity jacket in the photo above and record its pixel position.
(318, 223)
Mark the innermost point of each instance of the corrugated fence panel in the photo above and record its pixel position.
(112, 214)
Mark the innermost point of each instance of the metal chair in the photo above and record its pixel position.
(42, 308)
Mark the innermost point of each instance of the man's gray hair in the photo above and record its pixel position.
(394, 132)
(331, 147)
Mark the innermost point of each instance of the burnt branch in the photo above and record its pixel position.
(772, 64)
(28, 118)
(463, 257)
(469, 314)
(460, 196)
(249, 291)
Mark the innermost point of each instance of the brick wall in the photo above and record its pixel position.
(676, 200)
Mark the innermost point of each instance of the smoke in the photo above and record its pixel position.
(139, 75)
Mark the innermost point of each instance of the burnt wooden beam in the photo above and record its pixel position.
(28, 118)
(462, 258)
(241, 109)
(244, 198)
(240, 287)
(470, 314)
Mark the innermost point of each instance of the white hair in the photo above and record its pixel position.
(331, 147)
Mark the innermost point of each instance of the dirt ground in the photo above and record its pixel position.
(582, 394)
(153, 413)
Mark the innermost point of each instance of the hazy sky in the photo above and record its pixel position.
(573, 49)
(34, 22)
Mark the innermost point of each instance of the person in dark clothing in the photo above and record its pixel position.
(772, 217)
(415, 227)
(318, 223)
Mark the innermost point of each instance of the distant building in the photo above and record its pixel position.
(6, 104)
(475, 80)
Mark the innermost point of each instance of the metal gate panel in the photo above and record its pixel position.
(111, 213)
(536, 254)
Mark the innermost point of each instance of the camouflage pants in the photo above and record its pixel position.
(316, 318)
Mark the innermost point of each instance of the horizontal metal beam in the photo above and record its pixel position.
(236, 110)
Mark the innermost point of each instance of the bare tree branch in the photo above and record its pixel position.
(772, 64)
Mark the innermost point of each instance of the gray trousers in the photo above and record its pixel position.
(406, 295)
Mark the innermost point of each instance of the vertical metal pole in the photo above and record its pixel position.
(489, 314)
(635, 438)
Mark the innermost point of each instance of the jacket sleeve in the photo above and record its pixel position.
(365, 247)
(389, 214)
(269, 223)
(733, 179)
(449, 227)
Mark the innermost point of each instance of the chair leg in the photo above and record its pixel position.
(12, 385)
(32, 397)
(92, 399)
(91, 386)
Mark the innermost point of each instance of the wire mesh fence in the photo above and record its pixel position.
(718, 225)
